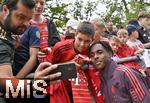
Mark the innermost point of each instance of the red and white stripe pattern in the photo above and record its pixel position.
(80, 90)
(137, 87)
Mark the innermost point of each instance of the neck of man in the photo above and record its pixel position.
(37, 18)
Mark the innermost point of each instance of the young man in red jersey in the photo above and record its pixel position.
(66, 51)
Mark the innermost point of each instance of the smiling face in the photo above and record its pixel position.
(82, 42)
(99, 56)
(16, 21)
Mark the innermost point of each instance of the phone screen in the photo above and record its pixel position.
(68, 71)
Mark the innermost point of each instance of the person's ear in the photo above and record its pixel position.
(5, 10)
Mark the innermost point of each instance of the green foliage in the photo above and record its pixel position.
(58, 13)
(78, 7)
(120, 12)
(90, 7)
(84, 11)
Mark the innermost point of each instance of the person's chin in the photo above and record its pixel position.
(98, 67)
(38, 13)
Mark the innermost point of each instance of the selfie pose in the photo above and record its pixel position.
(68, 51)
(119, 84)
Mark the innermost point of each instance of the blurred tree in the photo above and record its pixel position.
(78, 10)
(84, 11)
(120, 12)
(89, 8)
(56, 10)
(59, 10)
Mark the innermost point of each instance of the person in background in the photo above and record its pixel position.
(110, 29)
(71, 29)
(124, 50)
(110, 26)
(25, 57)
(47, 27)
(133, 42)
(115, 44)
(142, 24)
(100, 28)
(119, 84)
(49, 35)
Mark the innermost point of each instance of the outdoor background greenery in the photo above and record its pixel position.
(118, 11)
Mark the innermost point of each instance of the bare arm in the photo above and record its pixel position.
(41, 73)
(30, 64)
(147, 45)
(5, 71)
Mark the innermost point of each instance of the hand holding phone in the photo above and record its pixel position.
(68, 71)
(81, 59)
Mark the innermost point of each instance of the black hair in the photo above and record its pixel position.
(143, 15)
(87, 28)
(69, 35)
(106, 46)
(11, 4)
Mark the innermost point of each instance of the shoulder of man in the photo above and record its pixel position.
(128, 71)
(63, 44)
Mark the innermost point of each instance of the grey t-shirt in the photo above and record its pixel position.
(6, 51)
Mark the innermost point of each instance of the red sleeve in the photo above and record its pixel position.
(62, 52)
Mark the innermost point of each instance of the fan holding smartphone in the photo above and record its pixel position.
(68, 71)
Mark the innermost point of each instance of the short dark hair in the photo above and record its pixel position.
(87, 28)
(106, 46)
(143, 15)
(131, 28)
(11, 4)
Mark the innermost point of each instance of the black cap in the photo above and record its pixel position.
(130, 29)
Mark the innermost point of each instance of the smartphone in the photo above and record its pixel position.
(68, 71)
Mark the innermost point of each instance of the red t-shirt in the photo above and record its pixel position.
(125, 51)
(62, 52)
(93, 76)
